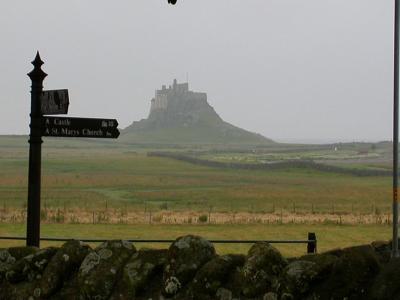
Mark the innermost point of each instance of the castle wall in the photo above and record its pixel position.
(168, 96)
(159, 102)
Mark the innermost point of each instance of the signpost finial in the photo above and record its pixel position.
(37, 73)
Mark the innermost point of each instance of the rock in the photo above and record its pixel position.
(190, 270)
(351, 276)
(20, 252)
(298, 277)
(323, 264)
(270, 296)
(224, 294)
(386, 285)
(287, 296)
(261, 270)
(11, 255)
(69, 290)
(234, 281)
(6, 262)
(20, 291)
(213, 275)
(383, 249)
(30, 267)
(62, 265)
(338, 252)
(185, 256)
(138, 273)
(301, 275)
(99, 270)
(22, 276)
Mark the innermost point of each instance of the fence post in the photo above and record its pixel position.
(312, 243)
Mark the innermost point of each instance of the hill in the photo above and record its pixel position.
(181, 116)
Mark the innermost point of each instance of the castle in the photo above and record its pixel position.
(168, 97)
(178, 115)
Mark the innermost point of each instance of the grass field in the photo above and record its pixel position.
(328, 236)
(87, 177)
(92, 179)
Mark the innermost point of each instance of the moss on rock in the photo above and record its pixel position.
(138, 273)
(351, 276)
(31, 266)
(213, 276)
(185, 256)
(190, 269)
(387, 283)
(62, 265)
(98, 272)
(262, 269)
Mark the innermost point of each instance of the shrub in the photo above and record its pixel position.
(203, 218)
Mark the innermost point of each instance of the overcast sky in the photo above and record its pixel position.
(288, 69)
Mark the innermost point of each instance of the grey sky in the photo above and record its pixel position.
(301, 69)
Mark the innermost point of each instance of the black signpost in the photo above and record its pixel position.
(54, 102)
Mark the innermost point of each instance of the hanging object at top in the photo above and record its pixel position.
(172, 1)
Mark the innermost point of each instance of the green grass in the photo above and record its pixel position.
(92, 177)
(328, 236)
(89, 175)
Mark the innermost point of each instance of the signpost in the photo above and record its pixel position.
(54, 102)
(395, 240)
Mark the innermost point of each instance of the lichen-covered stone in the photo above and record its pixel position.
(298, 277)
(19, 291)
(270, 296)
(20, 252)
(261, 271)
(69, 290)
(302, 274)
(287, 296)
(99, 270)
(114, 271)
(351, 276)
(323, 264)
(383, 249)
(22, 276)
(30, 267)
(387, 283)
(185, 256)
(223, 294)
(62, 265)
(138, 273)
(6, 262)
(213, 275)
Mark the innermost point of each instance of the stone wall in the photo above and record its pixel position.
(191, 269)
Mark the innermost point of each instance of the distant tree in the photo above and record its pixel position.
(172, 1)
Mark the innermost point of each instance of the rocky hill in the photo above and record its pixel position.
(191, 269)
(178, 115)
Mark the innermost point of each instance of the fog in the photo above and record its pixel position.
(291, 70)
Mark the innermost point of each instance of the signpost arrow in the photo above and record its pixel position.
(80, 127)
